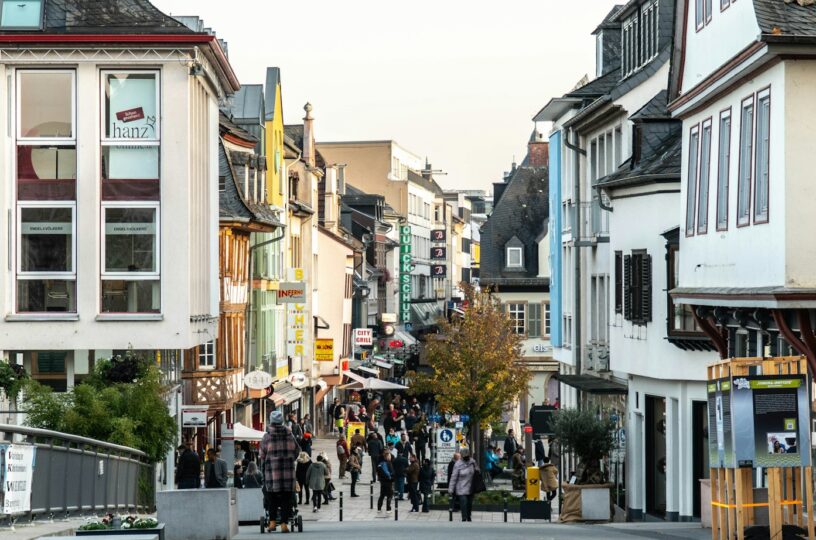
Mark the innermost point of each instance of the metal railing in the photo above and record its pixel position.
(77, 475)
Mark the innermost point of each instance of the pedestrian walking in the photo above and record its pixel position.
(304, 461)
(400, 470)
(188, 471)
(340, 419)
(427, 476)
(331, 417)
(461, 483)
(306, 424)
(355, 468)
(510, 445)
(549, 478)
(327, 491)
(420, 441)
(385, 474)
(278, 453)
(342, 450)
(375, 449)
(316, 481)
(540, 454)
(357, 439)
(215, 471)
(404, 446)
(412, 476)
(392, 437)
(306, 444)
(517, 461)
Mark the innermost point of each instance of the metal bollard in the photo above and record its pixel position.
(341, 505)
(450, 509)
(396, 508)
(371, 490)
(504, 498)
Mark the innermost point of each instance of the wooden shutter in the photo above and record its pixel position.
(646, 289)
(618, 282)
(627, 287)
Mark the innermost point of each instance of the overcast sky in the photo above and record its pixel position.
(455, 81)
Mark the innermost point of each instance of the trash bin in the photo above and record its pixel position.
(533, 484)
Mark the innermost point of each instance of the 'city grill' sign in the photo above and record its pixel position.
(405, 273)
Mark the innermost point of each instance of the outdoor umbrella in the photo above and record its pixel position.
(373, 384)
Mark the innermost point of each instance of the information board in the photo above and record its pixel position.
(18, 469)
(445, 448)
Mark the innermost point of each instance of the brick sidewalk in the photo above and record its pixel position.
(359, 508)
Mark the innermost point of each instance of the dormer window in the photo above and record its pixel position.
(640, 38)
(21, 14)
(515, 257)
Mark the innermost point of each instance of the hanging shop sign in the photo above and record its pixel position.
(405, 273)
(439, 235)
(194, 416)
(324, 350)
(439, 253)
(258, 380)
(388, 317)
(17, 475)
(292, 292)
(363, 337)
(297, 318)
(439, 270)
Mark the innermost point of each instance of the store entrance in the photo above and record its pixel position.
(656, 456)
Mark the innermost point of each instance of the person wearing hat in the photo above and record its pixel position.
(278, 453)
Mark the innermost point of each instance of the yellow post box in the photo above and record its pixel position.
(533, 484)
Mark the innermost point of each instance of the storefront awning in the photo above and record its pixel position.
(284, 394)
(368, 370)
(405, 337)
(593, 385)
(383, 364)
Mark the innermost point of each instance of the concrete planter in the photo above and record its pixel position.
(250, 505)
(158, 531)
(705, 503)
(592, 502)
(198, 514)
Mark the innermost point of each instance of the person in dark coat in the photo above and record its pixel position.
(510, 445)
(540, 454)
(375, 449)
(252, 477)
(278, 453)
(301, 468)
(412, 475)
(385, 474)
(215, 470)
(426, 483)
(188, 471)
(400, 470)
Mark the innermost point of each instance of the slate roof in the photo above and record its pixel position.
(656, 109)
(597, 87)
(521, 212)
(106, 17)
(232, 204)
(294, 134)
(610, 20)
(248, 103)
(790, 18)
(663, 164)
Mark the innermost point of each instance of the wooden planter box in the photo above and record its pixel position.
(591, 502)
(158, 530)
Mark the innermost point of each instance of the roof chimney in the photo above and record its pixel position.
(308, 136)
(538, 150)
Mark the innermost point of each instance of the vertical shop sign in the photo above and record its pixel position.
(405, 273)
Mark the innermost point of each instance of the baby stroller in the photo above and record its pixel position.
(295, 521)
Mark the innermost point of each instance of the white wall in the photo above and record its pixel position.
(179, 244)
(728, 33)
(637, 223)
(725, 259)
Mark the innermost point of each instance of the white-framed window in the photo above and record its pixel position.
(705, 173)
(130, 214)
(533, 320)
(46, 257)
(517, 314)
(746, 152)
(45, 169)
(723, 170)
(206, 355)
(763, 156)
(515, 257)
(546, 319)
(691, 184)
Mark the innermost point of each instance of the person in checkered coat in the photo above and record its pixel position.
(278, 453)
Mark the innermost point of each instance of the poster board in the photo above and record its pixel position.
(351, 427)
(17, 475)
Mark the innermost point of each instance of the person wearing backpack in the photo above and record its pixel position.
(461, 483)
(385, 474)
(342, 455)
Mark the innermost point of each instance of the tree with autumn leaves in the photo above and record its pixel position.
(476, 361)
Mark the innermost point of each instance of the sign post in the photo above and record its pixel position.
(17, 474)
(445, 448)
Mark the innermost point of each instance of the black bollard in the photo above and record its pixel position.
(371, 490)
(396, 508)
(341, 505)
(450, 509)
(504, 497)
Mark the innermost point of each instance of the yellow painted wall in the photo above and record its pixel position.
(274, 154)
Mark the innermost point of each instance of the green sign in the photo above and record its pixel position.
(405, 274)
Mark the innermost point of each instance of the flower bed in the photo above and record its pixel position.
(130, 525)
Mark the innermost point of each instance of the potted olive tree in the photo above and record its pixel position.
(590, 438)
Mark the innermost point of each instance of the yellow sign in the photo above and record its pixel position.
(351, 427)
(324, 350)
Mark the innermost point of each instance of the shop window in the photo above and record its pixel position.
(131, 296)
(130, 240)
(46, 173)
(45, 105)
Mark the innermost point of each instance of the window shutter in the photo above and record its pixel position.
(627, 287)
(646, 289)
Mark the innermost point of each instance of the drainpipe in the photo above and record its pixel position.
(576, 227)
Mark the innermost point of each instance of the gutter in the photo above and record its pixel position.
(576, 342)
